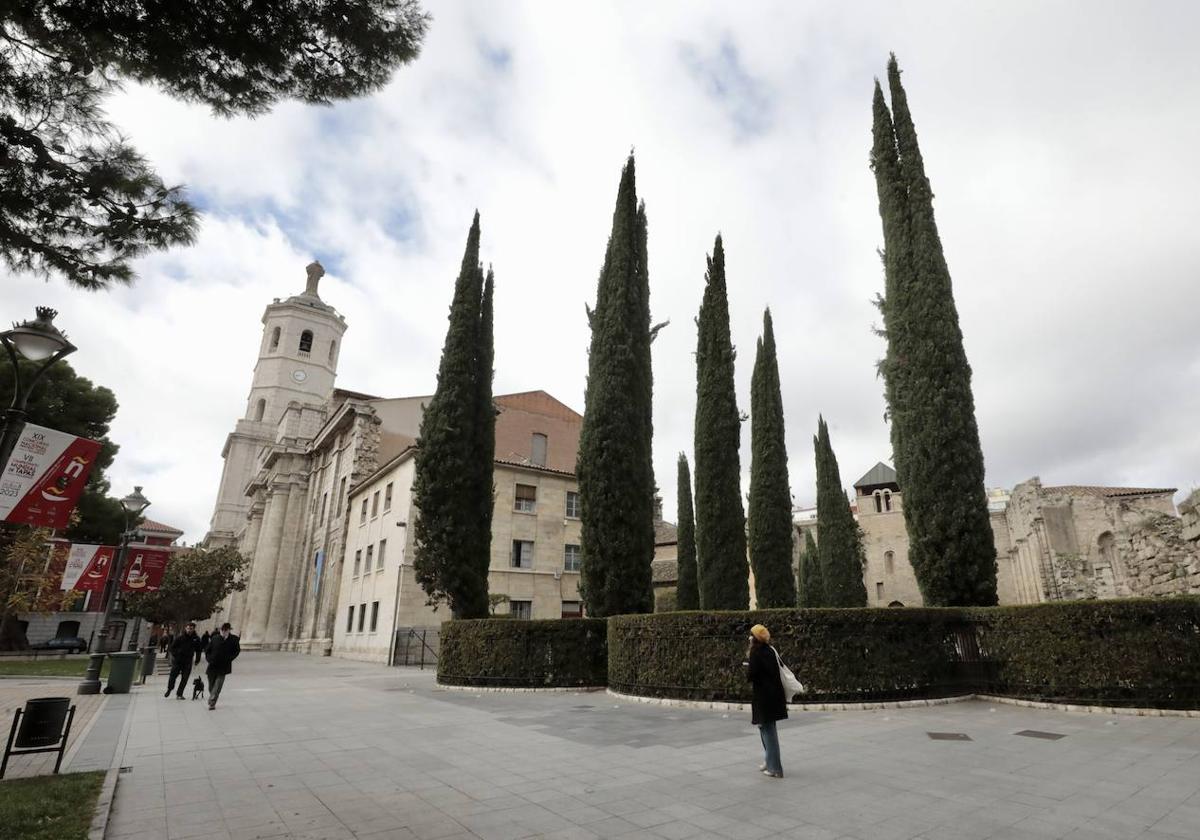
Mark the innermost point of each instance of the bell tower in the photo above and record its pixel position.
(297, 362)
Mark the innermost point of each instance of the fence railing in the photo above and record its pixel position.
(415, 646)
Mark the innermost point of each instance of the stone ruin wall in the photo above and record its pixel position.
(1163, 553)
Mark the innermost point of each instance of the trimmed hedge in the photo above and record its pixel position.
(535, 654)
(841, 655)
(1136, 652)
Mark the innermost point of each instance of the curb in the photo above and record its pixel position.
(578, 689)
(1091, 710)
(108, 792)
(801, 707)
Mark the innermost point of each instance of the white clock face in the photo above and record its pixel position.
(299, 375)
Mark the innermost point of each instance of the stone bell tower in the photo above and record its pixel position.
(297, 362)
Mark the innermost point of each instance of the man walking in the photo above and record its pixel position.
(223, 648)
(183, 648)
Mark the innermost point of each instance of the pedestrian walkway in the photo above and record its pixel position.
(306, 747)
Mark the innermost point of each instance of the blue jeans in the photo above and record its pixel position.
(770, 741)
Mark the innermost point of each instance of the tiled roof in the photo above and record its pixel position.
(665, 533)
(528, 466)
(881, 473)
(158, 527)
(664, 571)
(1111, 492)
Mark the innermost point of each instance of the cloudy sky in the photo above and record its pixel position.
(1060, 139)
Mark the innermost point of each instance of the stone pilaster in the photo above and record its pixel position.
(266, 562)
(287, 571)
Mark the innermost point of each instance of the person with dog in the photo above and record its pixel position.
(769, 704)
(223, 648)
(183, 648)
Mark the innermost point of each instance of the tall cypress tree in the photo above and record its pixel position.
(720, 522)
(939, 460)
(770, 517)
(452, 533)
(616, 475)
(839, 542)
(687, 592)
(811, 592)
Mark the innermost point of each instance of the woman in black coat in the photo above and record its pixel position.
(769, 704)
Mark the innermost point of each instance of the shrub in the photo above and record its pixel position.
(534, 654)
(841, 655)
(1136, 652)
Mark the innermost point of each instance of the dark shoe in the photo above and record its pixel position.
(178, 696)
(167, 693)
(212, 705)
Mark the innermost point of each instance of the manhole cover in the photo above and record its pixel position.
(949, 736)
(582, 708)
(1033, 733)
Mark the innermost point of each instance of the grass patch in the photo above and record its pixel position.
(50, 807)
(48, 668)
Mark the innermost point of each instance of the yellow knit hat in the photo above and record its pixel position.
(761, 633)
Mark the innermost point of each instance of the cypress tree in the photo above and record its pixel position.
(687, 593)
(811, 592)
(839, 543)
(939, 460)
(452, 533)
(720, 522)
(616, 476)
(770, 518)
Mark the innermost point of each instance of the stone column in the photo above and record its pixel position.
(235, 604)
(287, 570)
(266, 561)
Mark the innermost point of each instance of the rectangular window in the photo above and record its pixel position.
(572, 609)
(375, 505)
(538, 450)
(382, 549)
(341, 497)
(387, 497)
(522, 554)
(362, 616)
(572, 505)
(571, 558)
(520, 609)
(350, 620)
(362, 517)
(357, 562)
(324, 501)
(879, 591)
(525, 499)
(374, 615)
(370, 559)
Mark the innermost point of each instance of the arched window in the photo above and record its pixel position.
(1107, 546)
(306, 339)
(332, 350)
(887, 499)
(878, 502)
(260, 410)
(889, 562)
(275, 339)
(896, 604)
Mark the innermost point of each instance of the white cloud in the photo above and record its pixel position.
(1059, 146)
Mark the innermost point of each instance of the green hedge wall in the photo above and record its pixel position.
(841, 655)
(536, 654)
(1136, 652)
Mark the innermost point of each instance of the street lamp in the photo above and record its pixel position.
(132, 505)
(37, 341)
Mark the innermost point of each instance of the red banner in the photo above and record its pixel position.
(43, 479)
(97, 564)
(144, 568)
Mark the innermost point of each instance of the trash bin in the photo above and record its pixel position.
(120, 671)
(148, 655)
(42, 722)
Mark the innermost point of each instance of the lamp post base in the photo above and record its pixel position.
(91, 679)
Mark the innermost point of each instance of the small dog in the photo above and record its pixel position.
(197, 688)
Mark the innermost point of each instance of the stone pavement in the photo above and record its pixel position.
(304, 747)
(14, 691)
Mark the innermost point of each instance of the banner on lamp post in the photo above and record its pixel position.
(144, 569)
(88, 567)
(44, 477)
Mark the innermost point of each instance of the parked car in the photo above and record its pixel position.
(71, 645)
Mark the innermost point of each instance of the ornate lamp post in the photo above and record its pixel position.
(38, 341)
(133, 505)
